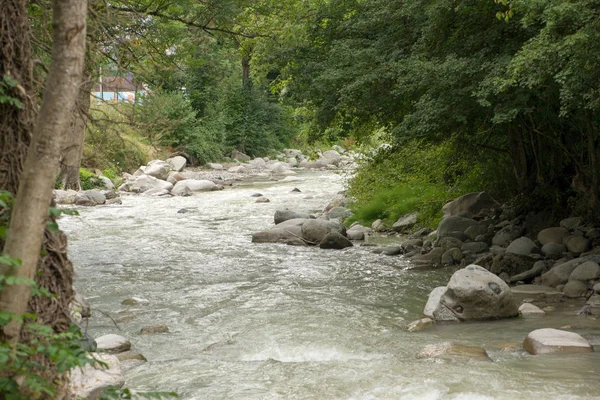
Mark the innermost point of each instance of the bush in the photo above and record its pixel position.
(89, 180)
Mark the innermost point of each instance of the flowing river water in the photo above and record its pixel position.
(270, 321)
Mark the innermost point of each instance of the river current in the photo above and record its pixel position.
(270, 321)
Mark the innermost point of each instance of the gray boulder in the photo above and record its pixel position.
(571, 223)
(340, 213)
(472, 294)
(432, 302)
(113, 344)
(430, 259)
(530, 310)
(552, 235)
(238, 155)
(405, 222)
(559, 274)
(378, 226)
(452, 256)
(522, 246)
(106, 182)
(90, 382)
(512, 264)
(548, 340)
(315, 230)
(476, 230)
(578, 244)
(575, 289)
(506, 235)
(588, 271)
(193, 186)
(284, 215)
(469, 205)
(334, 240)
(158, 169)
(146, 182)
(553, 250)
(538, 269)
(177, 163)
(475, 247)
(65, 196)
(216, 166)
(357, 232)
(454, 224)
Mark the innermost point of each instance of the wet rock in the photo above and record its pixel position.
(256, 195)
(378, 226)
(145, 183)
(357, 232)
(432, 258)
(534, 290)
(548, 340)
(154, 329)
(158, 169)
(530, 310)
(411, 245)
(334, 240)
(469, 205)
(262, 200)
(452, 256)
(474, 247)
(554, 250)
(450, 350)
(571, 223)
(392, 250)
(281, 233)
(522, 246)
(340, 213)
(454, 224)
(538, 269)
(552, 235)
(473, 293)
(214, 166)
(433, 301)
(91, 381)
(296, 190)
(315, 230)
(476, 230)
(177, 163)
(559, 274)
(506, 235)
(420, 233)
(405, 222)
(113, 344)
(578, 244)
(131, 355)
(285, 215)
(575, 289)
(65, 197)
(587, 271)
(512, 264)
(449, 243)
(134, 301)
(419, 325)
(193, 185)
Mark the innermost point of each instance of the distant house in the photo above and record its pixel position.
(118, 88)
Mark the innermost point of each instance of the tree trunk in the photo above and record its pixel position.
(245, 70)
(72, 152)
(30, 212)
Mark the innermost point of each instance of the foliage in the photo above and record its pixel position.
(6, 84)
(88, 179)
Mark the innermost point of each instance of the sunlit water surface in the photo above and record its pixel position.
(270, 321)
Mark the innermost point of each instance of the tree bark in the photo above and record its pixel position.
(30, 212)
(72, 152)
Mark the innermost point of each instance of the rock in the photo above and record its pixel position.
(331, 155)
(552, 235)
(177, 163)
(175, 177)
(334, 240)
(559, 274)
(131, 355)
(530, 310)
(533, 290)
(106, 182)
(140, 171)
(419, 325)
(113, 344)
(340, 213)
(474, 247)
(420, 233)
(296, 190)
(539, 267)
(575, 289)
(278, 167)
(257, 195)
(66, 197)
(315, 230)
(473, 293)
(597, 288)
(240, 169)
(449, 242)
(378, 226)
(357, 232)
(522, 246)
(451, 256)
(474, 231)
(506, 235)
(553, 250)
(454, 224)
(285, 215)
(432, 302)
(512, 264)
(238, 155)
(193, 185)
(153, 329)
(214, 166)
(116, 201)
(158, 169)
(392, 250)
(430, 259)
(96, 196)
(262, 200)
(147, 182)
(593, 234)
(469, 205)
(90, 382)
(450, 350)
(578, 244)
(406, 222)
(548, 340)
(571, 223)
(587, 271)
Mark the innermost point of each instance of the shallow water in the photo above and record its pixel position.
(270, 321)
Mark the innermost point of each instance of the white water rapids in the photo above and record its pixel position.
(270, 321)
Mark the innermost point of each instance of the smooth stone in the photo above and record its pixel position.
(571, 223)
(559, 273)
(538, 269)
(552, 235)
(454, 224)
(597, 288)
(578, 244)
(131, 355)
(153, 329)
(554, 250)
(420, 325)
(575, 289)
(475, 247)
(285, 215)
(315, 230)
(522, 246)
(506, 235)
(530, 310)
(405, 222)
(587, 271)
(469, 204)
(90, 381)
(549, 340)
(433, 300)
(378, 226)
(193, 185)
(113, 344)
(334, 240)
(533, 290)
(262, 200)
(214, 166)
(177, 163)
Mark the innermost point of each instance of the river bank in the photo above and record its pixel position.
(256, 321)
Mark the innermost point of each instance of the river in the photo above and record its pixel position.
(270, 321)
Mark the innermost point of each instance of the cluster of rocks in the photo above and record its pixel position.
(92, 197)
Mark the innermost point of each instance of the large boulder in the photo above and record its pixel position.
(279, 167)
(65, 196)
(511, 264)
(554, 250)
(91, 381)
(575, 289)
(284, 232)
(405, 222)
(113, 344)
(357, 232)
(472, 294)
(238, 155)
(588, 271)
(538, 269)
(158, 169)
(431, 259)
(552, 235)
(577, 244)
(559, 274)
(506, 235)
(454, 224)
(177, 163)
(193, 185)
(315, 230)
(284, 215)
(146, 182)
(334, 240)
(522, 246)
(548, 340)
(331, 155)
(97, 196)
(469, 205)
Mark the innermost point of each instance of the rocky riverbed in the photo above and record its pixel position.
(269, 320)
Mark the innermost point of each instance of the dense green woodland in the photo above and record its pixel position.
(473, 95)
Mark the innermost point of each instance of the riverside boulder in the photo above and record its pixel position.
(285, 215)
(548, 340)
(315, 230)
(469, 205)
